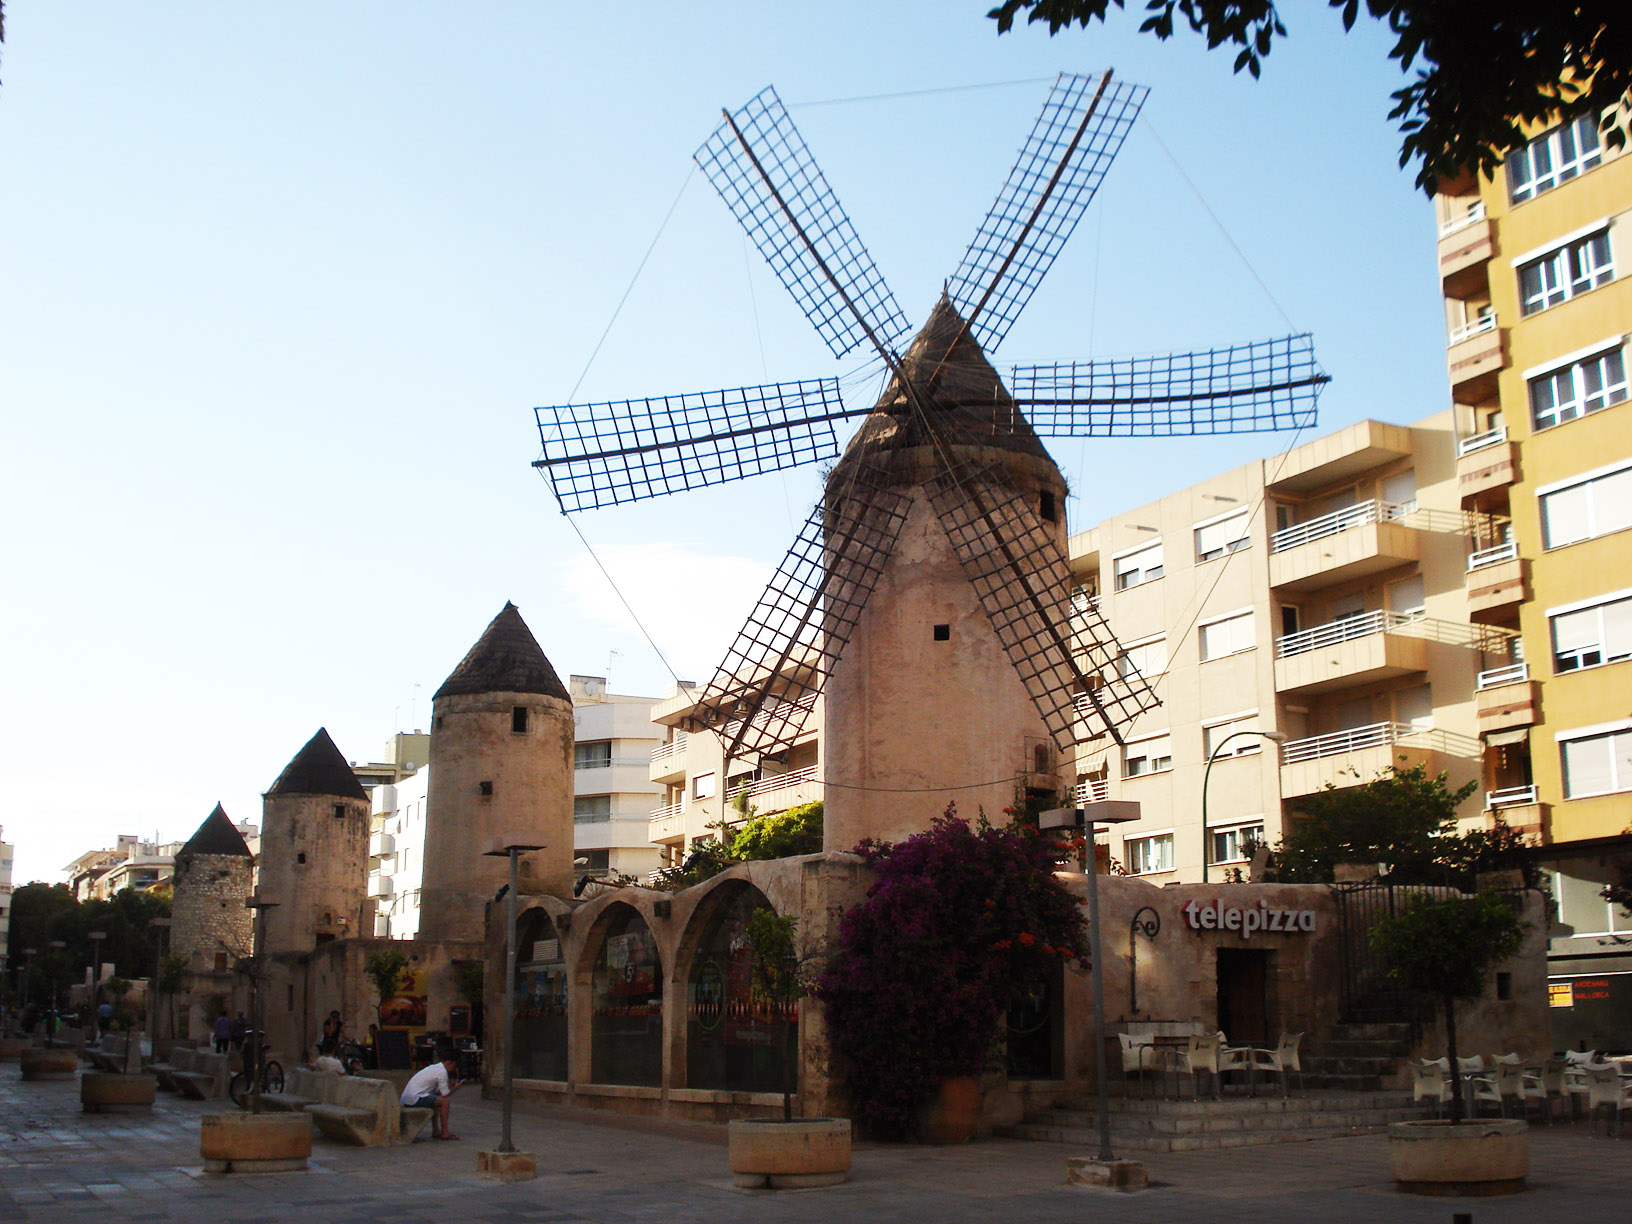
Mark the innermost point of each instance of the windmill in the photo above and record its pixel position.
(944, 509)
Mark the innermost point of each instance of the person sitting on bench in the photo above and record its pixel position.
(430, 1089)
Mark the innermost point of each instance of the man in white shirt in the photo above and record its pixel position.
(431, 1089)
(327, 1063)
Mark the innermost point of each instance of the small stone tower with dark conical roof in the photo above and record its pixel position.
(500, 765)
(214, 874)
(314, 851)
(925, 704)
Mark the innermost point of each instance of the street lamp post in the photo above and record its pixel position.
(28, 965)
(57, 946)
(511, 847)
(1109, 811)
(159, 926)
(96, 938)
(1274, 737)
(258, 1034)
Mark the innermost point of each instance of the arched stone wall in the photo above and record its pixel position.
(542, 997)
(621, 975)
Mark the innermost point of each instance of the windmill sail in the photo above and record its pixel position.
(1242, 388)
(764, 172)
(1076, 137)
(628, 450)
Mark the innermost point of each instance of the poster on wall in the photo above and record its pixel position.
(406, 1009)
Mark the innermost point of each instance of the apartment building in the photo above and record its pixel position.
(612, 792)
(1538, 307)
(1302, 619)
(704, 795)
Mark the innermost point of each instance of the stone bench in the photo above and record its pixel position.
(352, 1108)
(110, 1055)
(197, 1074)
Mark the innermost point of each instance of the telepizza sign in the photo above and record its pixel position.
(1247, 920)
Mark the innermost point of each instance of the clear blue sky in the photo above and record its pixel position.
(281, 283)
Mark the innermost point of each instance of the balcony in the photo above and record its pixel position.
(1518, 807)
(1465, 247)
(668, 762)
(1496, 584)
(381, 844)
(1506, 697)
(1347, 758)
(1485, 461)
(1096, 790)
(380, 886)
(783, 791)
(1328, 461)
(1477, 351)
(1347, 652)
(667, 824)
(1357, 540)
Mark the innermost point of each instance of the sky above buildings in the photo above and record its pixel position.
(281, 284)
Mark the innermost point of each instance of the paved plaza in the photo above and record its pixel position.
(57, 1163)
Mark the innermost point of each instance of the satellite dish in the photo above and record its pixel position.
(592, 688)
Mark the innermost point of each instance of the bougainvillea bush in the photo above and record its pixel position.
(957, 919)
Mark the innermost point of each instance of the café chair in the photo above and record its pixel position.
(1430, 1082)
(1200, 1053)
(1282, 1060)
(1139, 1056)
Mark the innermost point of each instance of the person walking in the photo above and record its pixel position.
(223, 1033)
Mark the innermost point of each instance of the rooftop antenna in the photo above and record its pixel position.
(942, 399)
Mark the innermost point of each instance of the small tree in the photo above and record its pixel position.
(775, 976)
(1447, 948)
(387, 971)
(123, 1016)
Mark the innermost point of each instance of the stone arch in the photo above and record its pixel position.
(1034, 1028)
(542, 983)
(622, 971)
(734, 1041)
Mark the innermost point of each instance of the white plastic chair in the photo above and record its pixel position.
(1429, 1082)
(1503, 1080)
(1200, 1053)
(1282, 1060)
(1139, 1056)
(1604, 1088)
(1543, 1086)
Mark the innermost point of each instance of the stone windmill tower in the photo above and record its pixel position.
(314, 851)
(500, 765)
(214, 875)
(929, 592)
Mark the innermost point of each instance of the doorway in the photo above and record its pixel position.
(1245, 1005)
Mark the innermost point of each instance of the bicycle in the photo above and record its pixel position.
(352, 1056)
(270, 1071)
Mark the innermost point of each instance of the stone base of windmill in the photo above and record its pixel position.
(99, 1090)
(770, 1154)
(255, 1143)
(1473, 1158)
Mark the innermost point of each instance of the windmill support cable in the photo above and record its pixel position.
(759, 168)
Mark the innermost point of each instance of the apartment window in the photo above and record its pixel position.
(1593, 635)
(592, 754)
(1586, 507)
(1230, 635)
(1154, 754)
(702, 786)
(1597, 760)
(1580, 387)
(1147, 659)
(592, 809)
(1214, 735)
(1149, 854)
(1552, 158)
(1565, 272)
(1236, 843)
(1140, 566)
(1218, 536)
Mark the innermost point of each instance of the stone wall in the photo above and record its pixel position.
(314, 866)
(208, 914)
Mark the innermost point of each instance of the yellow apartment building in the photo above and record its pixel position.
(1538, 306)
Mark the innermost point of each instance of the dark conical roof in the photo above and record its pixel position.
(506, 659)
(319, 769)
(961, 390)
(217, 835)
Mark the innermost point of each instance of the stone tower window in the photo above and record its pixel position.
(943, 633)
(487, 790)
(220, 960)
(1045, 506)
(339, 811)
(301, 857)
(518, 720)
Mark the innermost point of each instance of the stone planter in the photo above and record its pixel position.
(953, 1115)
(100, 1089)
(768, 1153)
(12, 1047)
(254, 1143)
(1472, 1158)
(48, 1064)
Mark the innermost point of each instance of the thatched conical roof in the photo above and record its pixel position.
(319, 769)
(217, 835)
(506, 659)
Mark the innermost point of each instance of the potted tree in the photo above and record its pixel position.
(1446, 949)
(100, 1089)
(788, 1152)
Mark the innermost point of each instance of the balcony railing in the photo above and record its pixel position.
(663, 813)
(1493, 437)
(764, 786)
(1357, 515)
(1493, 556)
(664, 751)
(1474, 215)
(774, 709)
(1355, 739)
(1472, 328)
(1095, 791)
(1512, 796)
(1516, 673)
(1345, 630)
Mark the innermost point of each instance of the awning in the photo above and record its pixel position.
(1506, 739)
